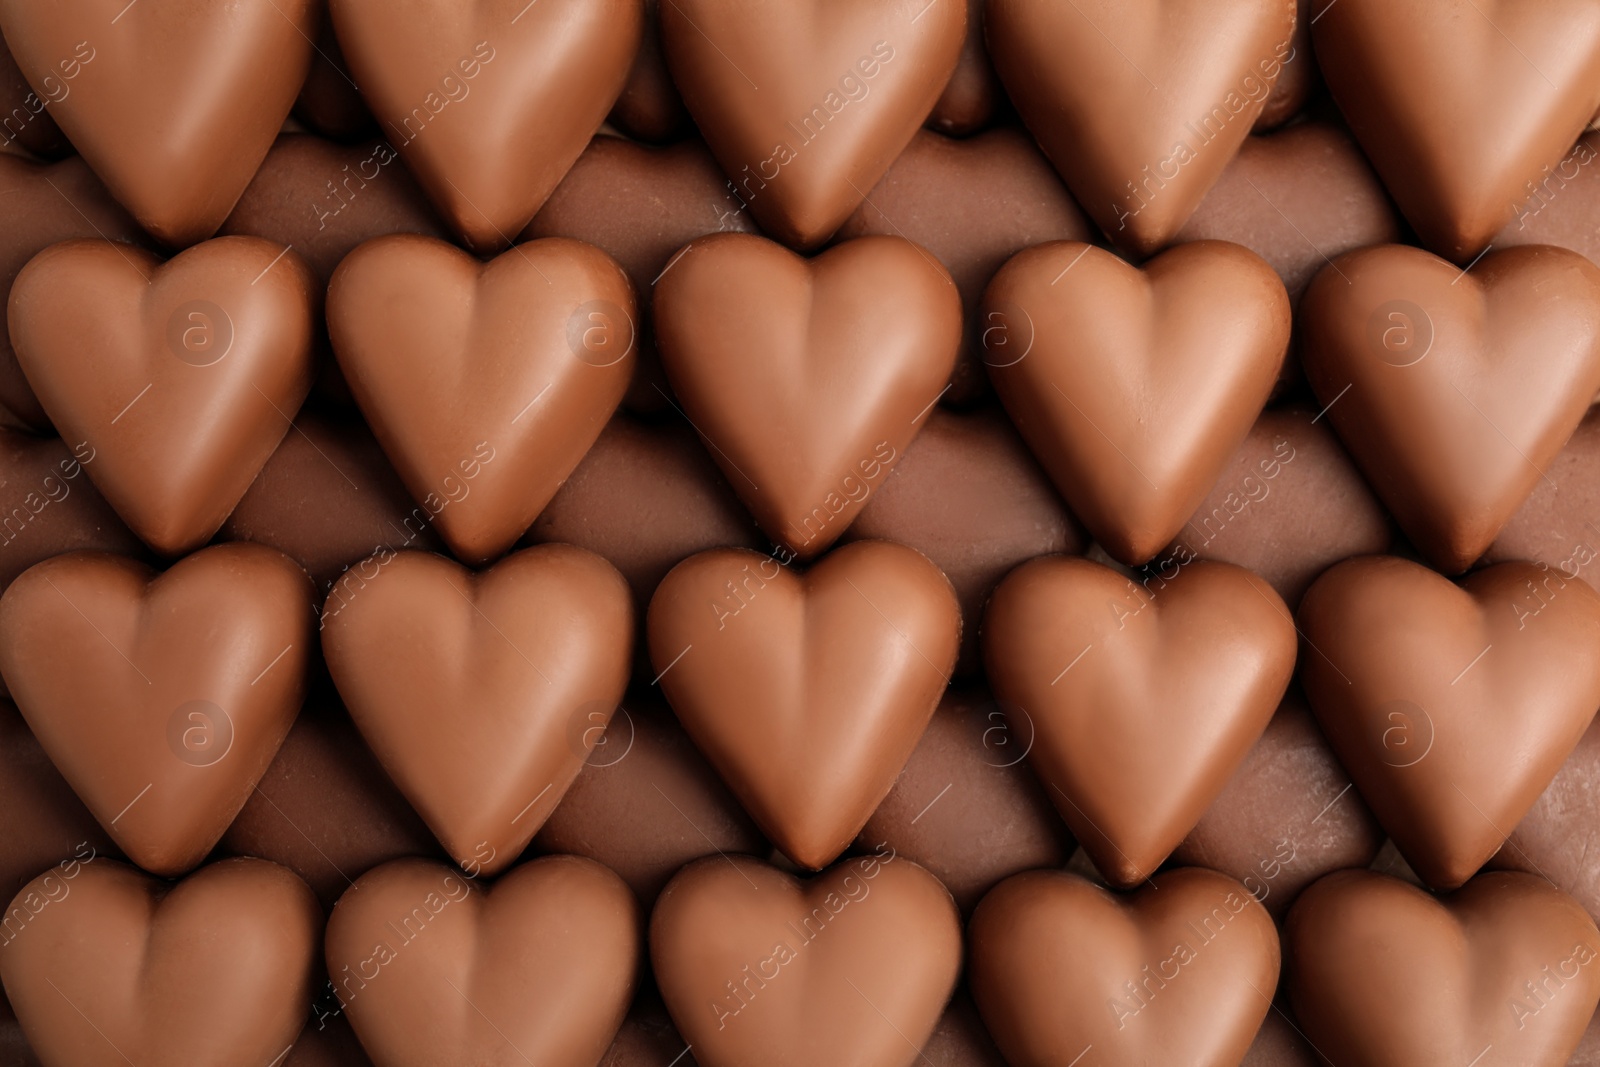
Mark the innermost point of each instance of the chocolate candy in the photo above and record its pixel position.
(1141, 699)
(46, 203)
(24, 121)
(216, 969)
(540, 77)
(973, 204)
(1552, 840)
(965, 806)
(969, 497)
(646, 803)
(182, 377)
(847, 662)
(650, 107)
(973, 94)
(538, 646)
(162, 698)
(329, 101)
(1559, 524)
(173, 106)
(1180, 971)
(1423, 687)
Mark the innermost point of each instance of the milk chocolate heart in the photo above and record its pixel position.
(850, 968)
(181, 376)
(1454, 390)
(107, 966)
(1505, 970)
(175, 104)
(1141, 698)
(1451, 707)
(807, 379)
(162, 698)
(806, 693)
(1140, 105)
(806, 104)
(40, 205)
(536, 649)
(1183, 971)
(1460, 104)
(1134, 387)
(433, 968)
(489, 102)
(484, 382)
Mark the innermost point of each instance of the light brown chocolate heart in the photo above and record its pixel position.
(107, 966)
(1454, 390)
(484, 382)
(481, 694)
(182, 376)
(490, 102)
(1183, 971)
(806, 104)
(434, 968)
(1451, 707)
(851, 968)
(1463, 106)
(1505, 970)
(807, 379)
(1140, 698)
(1135, 387)
(174, 105)
(1140, 105)
(161, 698)
(806, 692)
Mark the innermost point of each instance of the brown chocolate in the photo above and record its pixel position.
(328, 499)
(1458, 109)
(851, 968)
(1297, 198)
(640, 205)
(1559, 524)
(1561, 205)
(1289, 815)
(807, 105)
(648, 1038)
(960, 1040)
(1139, 106)
(1381, 972)
(161, 698)
(432, 967)
(329, 101)
(965, 806)
(173, 105)
(484, 382)
(1141, 699)
(645, 497)
(1453, 389)
(25, 121)
(1299, 79)
(173, 382)
(1427, 690)
(325, 809)
(650, 107)
(970, 497)
(1134, 386)
(1181, 971)
(107, 966)
(646, 803)
(847, 663)
(40, 205)
(1288, 507)
(973, 204)
(42, 821)
(973, 93)
(807, 379)
(1556, 839)
(489, 104)
(537, 646)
